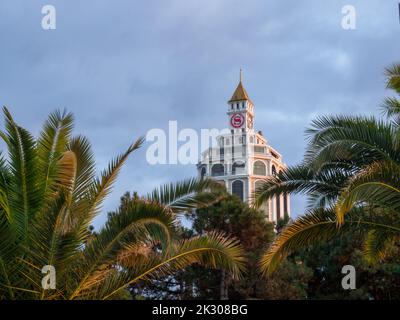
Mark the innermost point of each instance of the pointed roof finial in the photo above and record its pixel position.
(240, 93)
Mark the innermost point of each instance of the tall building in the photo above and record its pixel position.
(243, 157)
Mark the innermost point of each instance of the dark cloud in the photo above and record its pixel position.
(124, 67)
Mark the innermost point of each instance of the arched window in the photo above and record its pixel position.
(273, 170)
(237, 189)
(217, 170)
(203, 172)
(259, 168)
(238, 168)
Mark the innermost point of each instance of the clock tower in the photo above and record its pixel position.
(243, 158)
(240, 109)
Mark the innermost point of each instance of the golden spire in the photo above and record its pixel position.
(240, 93)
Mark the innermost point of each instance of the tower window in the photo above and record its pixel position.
(217, 170)
(203, 172)
(258, 149)
(259, 168)
(273, 170)
(231, 106)
(238, 168)
(237, 106)
(237, 189)
(243, 105)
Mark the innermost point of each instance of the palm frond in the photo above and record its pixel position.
(101, 187)
(212, 250)
(391, 109)
(377, 183)
(48, 197)
(6, 289)
(67, 168)
(188, 194)
(132, 224)
(24, 196)
(50, 147)
(5, 179)
(322, 187)
(50, 243)
(85, 166)
(313, 228)
(393, 77)
(358, 140)
(376, 245)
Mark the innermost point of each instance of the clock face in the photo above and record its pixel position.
(237, 120)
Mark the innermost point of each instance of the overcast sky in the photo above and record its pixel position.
(124, 67)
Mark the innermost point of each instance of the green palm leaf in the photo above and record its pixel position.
(130, 225)
(377, 183)
(322, 187)
(393, 77)
(377, 243)
(51, 145)
(24, 195)
(211, 250)
(357, 140)
(49, 195)
(91, 202)
(187, 194)
(316, 226)
(85, 166)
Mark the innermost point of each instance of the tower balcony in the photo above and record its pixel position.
(223, 154)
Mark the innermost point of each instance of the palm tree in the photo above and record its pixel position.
(350, 174)
(49, 196)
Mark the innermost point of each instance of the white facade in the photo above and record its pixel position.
(243, 157)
